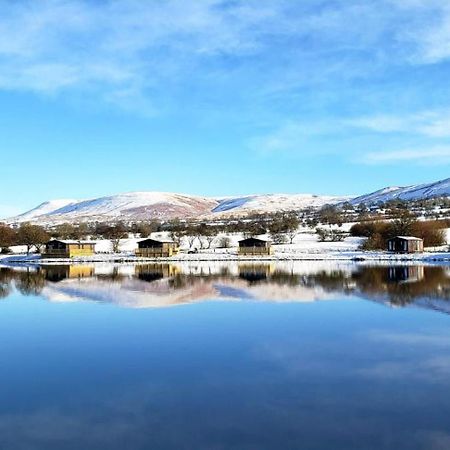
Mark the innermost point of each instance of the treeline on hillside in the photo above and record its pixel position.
(436, 208)
(378, 232)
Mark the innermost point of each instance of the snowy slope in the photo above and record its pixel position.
(274, 202)
(134, 204)
(415, 192)
(44, 209)
(131, 206)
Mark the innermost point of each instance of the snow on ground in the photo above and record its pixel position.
(305, 247)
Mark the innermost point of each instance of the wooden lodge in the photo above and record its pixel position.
(153, 248)
(68, 249)
(405, 244)
(254, 247)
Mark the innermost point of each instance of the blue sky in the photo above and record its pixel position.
(219, 97)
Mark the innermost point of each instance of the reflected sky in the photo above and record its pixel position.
(255, 370)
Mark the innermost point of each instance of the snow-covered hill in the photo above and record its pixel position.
(415, 192)
(274, 202)
(160, 205)
(129, 206)
(43, 209)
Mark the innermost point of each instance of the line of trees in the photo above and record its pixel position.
(282, 227)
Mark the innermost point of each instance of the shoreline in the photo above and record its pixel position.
(350, 256)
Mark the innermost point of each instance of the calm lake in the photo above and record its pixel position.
(225, 356)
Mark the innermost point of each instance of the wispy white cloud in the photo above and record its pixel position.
(119, 48)
(430, 35)
(349, 137)
(295, 137)
(434, 124)
(427, 156)
(125, 50)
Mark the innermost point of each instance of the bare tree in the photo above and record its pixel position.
(32, 236)
(115, 233)
(7, 238)
(191, 239)
(176, 236)
(209, 240)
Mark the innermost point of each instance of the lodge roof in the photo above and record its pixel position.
(407, 238)
(255, 239)
(71, 241)
(161, 241)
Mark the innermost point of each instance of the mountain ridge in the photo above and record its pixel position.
(146, 205)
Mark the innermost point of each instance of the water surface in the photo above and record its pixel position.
(225, 356)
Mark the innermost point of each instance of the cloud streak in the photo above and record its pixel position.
(428, 156)
(347, 136)
(126, 51)
(434, 124)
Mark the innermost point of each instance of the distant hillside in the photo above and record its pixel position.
(160, 205)
(129, 206)
(414, 192)
(43, 209)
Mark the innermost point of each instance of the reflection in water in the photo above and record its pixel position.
(345, 375)
(149, 285)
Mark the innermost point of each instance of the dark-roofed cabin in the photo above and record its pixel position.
(153, 248)
(254, 247)
(68, 249)
(405, 244)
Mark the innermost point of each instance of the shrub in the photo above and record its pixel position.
(330, 235)
(278, 238)
(224, 242)
(431, 232)
(374, 242)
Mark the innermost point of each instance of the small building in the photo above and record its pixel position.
(254, 247)
(405, 244)
(153, 248)
(68, 249)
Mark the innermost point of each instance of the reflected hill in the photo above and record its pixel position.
(161, 285)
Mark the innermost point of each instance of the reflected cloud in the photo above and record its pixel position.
(409, 339)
